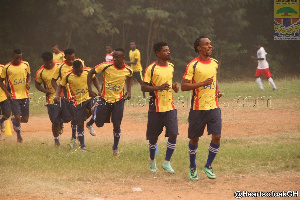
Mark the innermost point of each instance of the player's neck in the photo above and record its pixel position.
(162, 62)
(204, 57)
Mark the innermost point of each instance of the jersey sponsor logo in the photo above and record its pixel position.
(19, 81)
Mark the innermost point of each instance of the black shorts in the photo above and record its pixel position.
(59, 113)
(5, 107)
(137, 76)
(20, 107)
(70, 107)
(107, 111)
(198, 119)
(83, 110)
(157, 121)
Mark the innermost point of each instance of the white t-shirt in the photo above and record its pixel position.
(262, 64)
(109, 57)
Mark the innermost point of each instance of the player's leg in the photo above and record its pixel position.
(55, 118)
(197, 124)
(258, 73)
(5, 109)
(171, 124)
(214, 127)
(24, 110)
(90, 123)
(80, 117)
(268, 76)
(116, 118)
(154, 129)
(15, 106)
(70, 108)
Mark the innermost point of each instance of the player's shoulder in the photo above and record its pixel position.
(150, 66)
(1, 65)
(128, 68)
(105, 64)
(214, 60)
(192, 62)
(25, 62)
(171, 64)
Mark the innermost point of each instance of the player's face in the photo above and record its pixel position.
(108, 49)
(55, 49)
(132, 45)
(16, 59)
(205, 47)
(70, 59)
(164, 53)
(118, 57)
(48, 64)
(78, 70)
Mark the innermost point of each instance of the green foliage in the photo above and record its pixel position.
(89, 25)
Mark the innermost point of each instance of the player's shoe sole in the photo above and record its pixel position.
(166, 166)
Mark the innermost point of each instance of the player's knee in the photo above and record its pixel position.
(216, 139)
(24, 119)
(194, 141)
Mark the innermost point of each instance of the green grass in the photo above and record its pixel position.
(251, 155)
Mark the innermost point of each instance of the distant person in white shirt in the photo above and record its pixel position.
(263, 67)
(109, 53)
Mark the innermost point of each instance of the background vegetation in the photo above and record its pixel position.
(89, 25)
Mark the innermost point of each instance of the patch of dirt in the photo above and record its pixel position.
(236, 123)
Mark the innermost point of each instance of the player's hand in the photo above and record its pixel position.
(175, 87)
(218, 93)
(57, 99)
(165, 86)
(27, 86)
(9, 96)
(48, 92)
(92, 94)
(253, 58)
(208, 81)
(127, 95)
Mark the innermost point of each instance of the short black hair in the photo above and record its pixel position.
(158, 46)
(77, 63)
(17, 51)
(120, 49)
(69, 51)
(46, 56)
(53, 45)
(197, 43)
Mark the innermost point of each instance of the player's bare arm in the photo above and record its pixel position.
(218, 91)
(89, 83)
(57, 97)
(28, 81)
(186, 85)
(128, 86)
(39, 87)
(175, 87)
(255, 58)
(97, 85)
(4, 88)
(145, 87)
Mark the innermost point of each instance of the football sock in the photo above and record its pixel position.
(258, 81)
(212, 152)
(170, 149)
(272, 83)
(73, 127)
(152, 147)
(91, 122)
(117, 135)
(80, 132)
(193, 153)
(17, 128)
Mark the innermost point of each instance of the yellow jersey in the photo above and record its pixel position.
(203, 98)
(16, 76)
(59, 57)
(113, 81)
(44, 76)
(135, 55)
(2, 93)
(156, 75)
(77, 85)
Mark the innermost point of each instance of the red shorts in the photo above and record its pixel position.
(263, 72)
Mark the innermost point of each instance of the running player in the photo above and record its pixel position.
(111, 103)
(201, 77)
(58, 55)
(109, 54)
(58, 113)
(5, 106)
(262, 67)
(135, 62)
(158, 80)
(17, 73)
(82, 103)
(66, 66)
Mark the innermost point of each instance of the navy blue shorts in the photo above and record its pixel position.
(157, 121)
(5, 107)
(59, 113)
(137, 76)
(83, 110)
(107, 111)
(70, 107)
(198, 119)
(20, 107)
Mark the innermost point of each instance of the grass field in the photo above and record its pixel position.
(38, 170)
